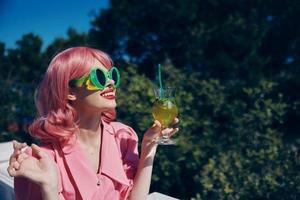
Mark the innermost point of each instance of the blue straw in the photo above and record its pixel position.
(159, 79)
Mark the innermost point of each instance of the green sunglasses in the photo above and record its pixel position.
(97, 79)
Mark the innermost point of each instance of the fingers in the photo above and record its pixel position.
(174, 122)
(169, 131)
(38, 151)
(13, 157)
(14, 169)
(11, 171)
(18, 146)
(156, 125)
(21, 157)
(154, 130)
(16, 165)
(166, 131)
(175, 130)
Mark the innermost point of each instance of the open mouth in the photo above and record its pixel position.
(108, 94)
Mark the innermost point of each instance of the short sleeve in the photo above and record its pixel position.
(26, 190)
(131, 155)
(128, 142)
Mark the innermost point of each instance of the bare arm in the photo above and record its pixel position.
(142, 179)
(49, 192)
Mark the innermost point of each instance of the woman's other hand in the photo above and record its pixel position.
(40, 169)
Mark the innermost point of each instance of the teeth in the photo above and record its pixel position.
(107, 94)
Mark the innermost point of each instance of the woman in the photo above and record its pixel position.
(84, 153)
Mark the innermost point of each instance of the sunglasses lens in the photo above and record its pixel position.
(101, 77)
(115, 76)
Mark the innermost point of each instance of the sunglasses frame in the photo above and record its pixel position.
(91, 79)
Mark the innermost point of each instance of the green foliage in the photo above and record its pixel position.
(229, 147)
(73, 39)
(21, 71)
(135, 98)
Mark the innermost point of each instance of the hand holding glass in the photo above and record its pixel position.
(165, 111)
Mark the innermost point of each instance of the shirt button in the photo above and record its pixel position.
(100, 179)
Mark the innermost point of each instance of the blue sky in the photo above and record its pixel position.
(49, 19)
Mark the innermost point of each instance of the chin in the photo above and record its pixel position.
(108, 106)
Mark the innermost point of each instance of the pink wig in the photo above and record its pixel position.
(56, 122)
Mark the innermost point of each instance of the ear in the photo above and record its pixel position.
(71, 97)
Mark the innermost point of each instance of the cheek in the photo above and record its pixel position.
(95, 100)
(92, 98)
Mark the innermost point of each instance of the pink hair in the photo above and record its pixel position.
(57, 117)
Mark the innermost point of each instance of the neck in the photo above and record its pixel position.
(89, 127)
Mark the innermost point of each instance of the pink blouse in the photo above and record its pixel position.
(77, 180)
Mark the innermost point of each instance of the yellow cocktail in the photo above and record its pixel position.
(165, 111)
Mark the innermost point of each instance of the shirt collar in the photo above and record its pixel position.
(111, 163)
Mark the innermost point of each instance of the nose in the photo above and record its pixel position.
(111, 82)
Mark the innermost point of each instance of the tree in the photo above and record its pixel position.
(240, 43)
(229, 147)
(73, 39)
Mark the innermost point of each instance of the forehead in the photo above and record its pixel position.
(99, 65)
